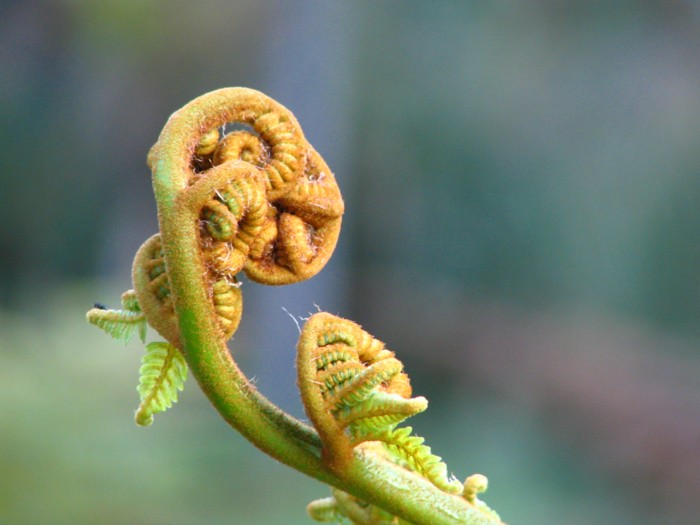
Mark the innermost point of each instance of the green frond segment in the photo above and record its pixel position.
(121, 324)
(325, 510)
(476, 484)
(378, 412)
(361, 386)
(163, 372)
(409, 451)
(130, 302)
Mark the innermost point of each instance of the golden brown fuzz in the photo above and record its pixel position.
(267, 204)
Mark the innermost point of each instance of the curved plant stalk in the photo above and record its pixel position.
(264, 202)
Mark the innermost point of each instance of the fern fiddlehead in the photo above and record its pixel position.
(262, 201)
(352, 387)
(355, 392)
(267, 205)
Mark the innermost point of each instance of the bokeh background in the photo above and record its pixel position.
(522, 183)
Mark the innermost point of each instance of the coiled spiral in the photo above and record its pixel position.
(266, 202)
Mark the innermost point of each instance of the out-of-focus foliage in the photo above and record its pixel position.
(542, 152)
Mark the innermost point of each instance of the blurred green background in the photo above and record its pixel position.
(521, 182)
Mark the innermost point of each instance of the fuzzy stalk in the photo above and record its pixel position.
(276, 433)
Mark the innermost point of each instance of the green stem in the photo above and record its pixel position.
(230, 392)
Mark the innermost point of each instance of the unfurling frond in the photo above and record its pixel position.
(410, 451)
(163, 372)
(120, 324)
(352, 387)
(354, 390)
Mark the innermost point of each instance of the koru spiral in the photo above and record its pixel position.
(266, 202)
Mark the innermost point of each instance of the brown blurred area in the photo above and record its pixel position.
(521, 182)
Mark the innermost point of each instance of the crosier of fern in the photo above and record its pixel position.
(261, 200)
